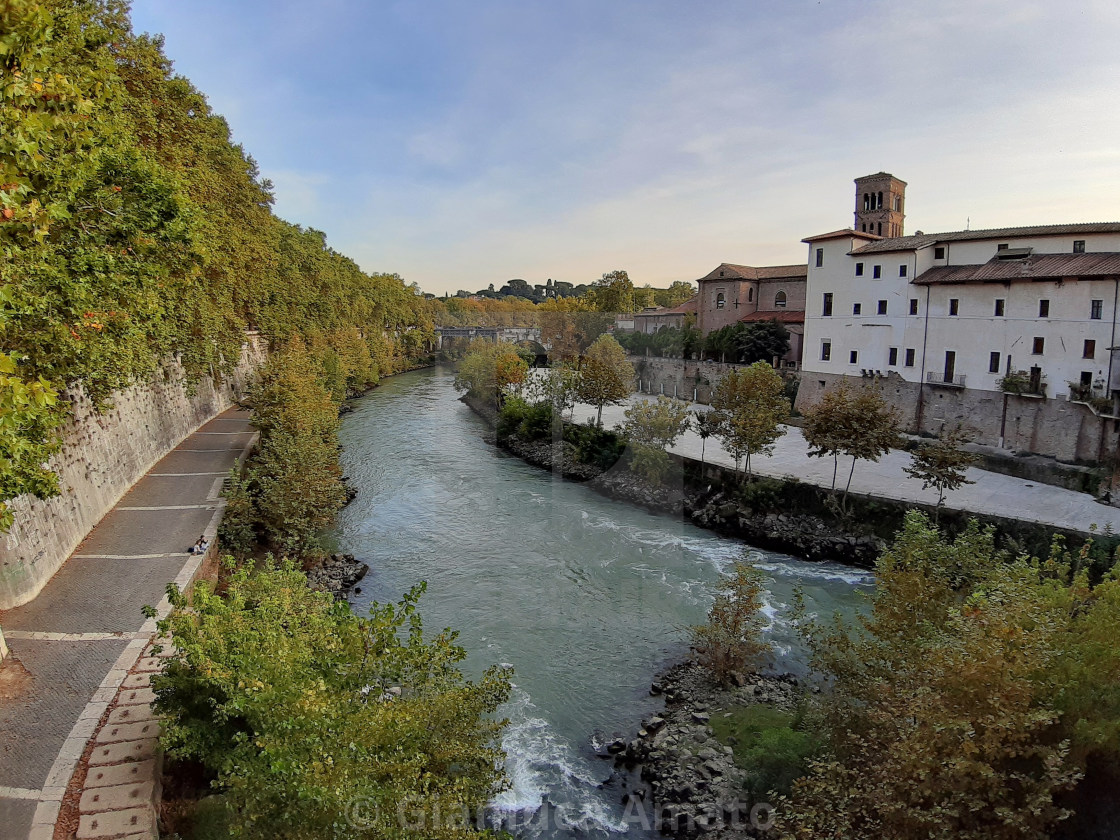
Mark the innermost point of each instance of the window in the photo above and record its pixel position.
(1038, 346)
(1096, 307)
(892, 356)
(820, 257)
(999, 307)
(909, 357)
(913, 306)
(1090, 350)
(853, 357)
(826, 350)
(880, 228)
(857, 308)
(826, 306)
(1044, 309)
(902, 270)
(859, 269)
(876, 271)
(939, 252)
(954, 306)
(750, 294)
(993, 362)
(780, 300)
(1079, 246)
(721, 301)
(882, 307)
(1002, 246)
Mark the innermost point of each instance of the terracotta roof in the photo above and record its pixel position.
(925, 240)
(750, 272)
(782, 316)
(840, 234)
(1036, 267)
(688, 307)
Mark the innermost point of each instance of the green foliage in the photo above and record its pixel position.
(652, 426)
(299, 708)
(968, 698)
(759, 341)
(772, 745)
(29, 412)
(594, 445)
(296, 479)
(749, 407)
(133, 230)
(859, 424)
(942, 465)
(490, 370)
(672, 342)
(237, 531)
(732, 641)
(605, 376)
(613, 293)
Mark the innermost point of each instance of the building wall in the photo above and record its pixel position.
(1050, 427)
(709, 316)
(681, 378)
(103, 455)
(1067, 431)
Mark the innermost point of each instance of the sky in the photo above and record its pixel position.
(461, 144)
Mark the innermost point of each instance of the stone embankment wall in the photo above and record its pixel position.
(103, 455)
(683, 378)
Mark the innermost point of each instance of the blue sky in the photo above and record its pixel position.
(460, 144)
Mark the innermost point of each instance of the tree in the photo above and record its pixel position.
(605, 375)
(489, 369)
(732, 641)
(939, 703)
(652, 426)
(298, 708)
(750, 406)
(861, 425)
(942, 465)
(558, 386)
(569, 326)
(705, 424)
(613, 292)
(762, 341)
(678, 292)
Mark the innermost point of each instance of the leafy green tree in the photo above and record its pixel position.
(678, 292)
(859, 424)
(942, 465)
(750, 406)
(652, 426)
(705, 424)
(29, 413)
(605, 375)
(732, 641)
(558, 386)
(490, 369)
(613, 292)
(300, 709)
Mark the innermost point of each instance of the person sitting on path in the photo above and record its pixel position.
(200, 546)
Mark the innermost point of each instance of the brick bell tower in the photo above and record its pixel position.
(880, 204)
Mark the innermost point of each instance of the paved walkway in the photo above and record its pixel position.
(993, 493)
(73, 646)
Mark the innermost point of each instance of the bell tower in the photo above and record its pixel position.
(880, 204)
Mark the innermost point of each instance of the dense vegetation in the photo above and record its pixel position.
(133, 230)
(313, 722)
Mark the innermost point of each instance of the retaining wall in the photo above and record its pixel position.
(102, 456)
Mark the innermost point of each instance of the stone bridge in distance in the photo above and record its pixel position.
(513, 335)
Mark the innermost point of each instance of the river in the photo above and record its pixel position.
(586, 598)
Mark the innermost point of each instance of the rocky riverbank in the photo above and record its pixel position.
(336, 574)
(677, 773)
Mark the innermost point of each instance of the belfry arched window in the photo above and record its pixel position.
(780, 300)
(721, 301)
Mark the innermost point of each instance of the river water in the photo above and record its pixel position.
(586, 598)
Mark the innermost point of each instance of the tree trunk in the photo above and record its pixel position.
(835, 467)
(703, 444)
(599, 417)
(844, 501)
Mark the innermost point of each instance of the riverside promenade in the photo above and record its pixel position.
(992, 493)
(75, 683)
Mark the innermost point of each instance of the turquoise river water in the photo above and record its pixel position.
(586, 598)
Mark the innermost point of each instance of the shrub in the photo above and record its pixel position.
(298, 708)
(770, 744)
(593, 445)
(732, 640)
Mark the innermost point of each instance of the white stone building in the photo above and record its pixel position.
(938, 321)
